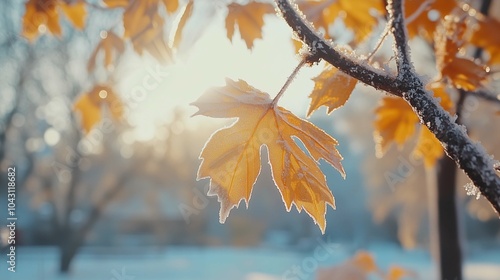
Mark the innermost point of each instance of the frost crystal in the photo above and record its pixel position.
(472, 190)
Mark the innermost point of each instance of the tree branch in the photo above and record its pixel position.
(398, 28)
(341, 59)
(485, 95)
(469, 156)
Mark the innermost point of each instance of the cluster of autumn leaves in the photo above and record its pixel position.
(232, 156)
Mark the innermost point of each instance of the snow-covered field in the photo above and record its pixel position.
(216, 263)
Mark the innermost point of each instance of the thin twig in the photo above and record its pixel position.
(289, 80)
(344, 61)
(398, 26)
(419, 11)
(379, 43)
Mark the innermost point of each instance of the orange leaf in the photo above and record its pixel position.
(428, 147)
(360, 267)
(483, 38)
(90, 105)
(332, 88)
(426, 20)
(139, 16)
(111, 45)
(43, 15)
(171, 5)
(316, 12)
(231, 157)
(297, 45)
(249, 18)
(357, 15)
(395, 122)
(75, 13)
(182, 23)
(40, 15)
(116, 3)
(397, 273)
(462, 72)
(144, 26)
(364, 261)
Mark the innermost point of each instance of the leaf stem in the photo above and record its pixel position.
(289, 80)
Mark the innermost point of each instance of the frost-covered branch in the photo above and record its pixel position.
(341, 59)
(469, 156)
(398, 28)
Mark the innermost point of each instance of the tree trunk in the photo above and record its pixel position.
(450, 258)
(73, 239)
(68, 249)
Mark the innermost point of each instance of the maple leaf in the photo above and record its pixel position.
(462, 72)
(112, 46)
(182, 23)
(357, 15)
(231, 157)
(152, 40)
(43, 15)
(315, 12)
(90, 106)
(395, 122)
(140, 16)
(117, 3)
(144, 26)
(397, 272)
(171, 5)
(426, 19)
(249, 18)
(428, 147)
(482, 37)
(332, 88)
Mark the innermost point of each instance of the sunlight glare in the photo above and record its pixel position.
(209, 62)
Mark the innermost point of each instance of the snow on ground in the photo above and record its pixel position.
(219, 263)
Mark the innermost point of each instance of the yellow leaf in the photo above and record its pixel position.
(462, 72)
(364, 261)
(231, 157)
(75, 12)
(316, 12)
(397, 273)
(332, 88)
(171, 5)
(359, 267)
(482, 37)
(111, 45)
(428, 147)
(424, 24)
(357, 15)
(90, 105)
(43, 15)
(297, 45)
(89, 111)
(40, 15)
(139, 16)
(395, 122)
(116, 3)
(182, 23)
(249, 18)
(144, 26)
